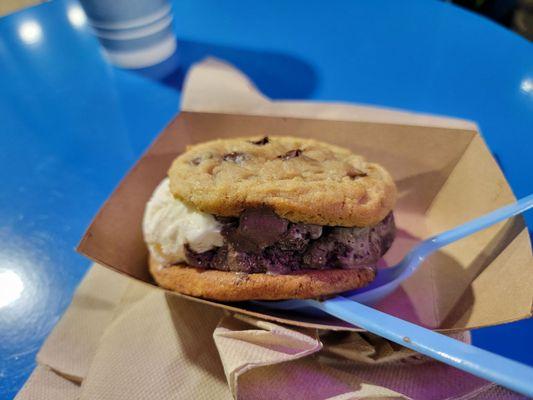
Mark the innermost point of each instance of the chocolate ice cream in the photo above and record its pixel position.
(259, 241)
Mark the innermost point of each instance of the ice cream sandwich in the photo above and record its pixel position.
(269, 218)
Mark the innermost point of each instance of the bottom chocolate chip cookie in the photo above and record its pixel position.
(238, 286)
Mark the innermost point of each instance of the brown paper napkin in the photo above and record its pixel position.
(246, 343)
(125, 340)
(75, 338)
(215, 86)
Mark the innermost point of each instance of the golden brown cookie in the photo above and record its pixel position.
(237, 286)
(303, 180)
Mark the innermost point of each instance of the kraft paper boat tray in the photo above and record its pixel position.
(444, 177)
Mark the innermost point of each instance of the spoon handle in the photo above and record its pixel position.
(479, 362)
(470, 227)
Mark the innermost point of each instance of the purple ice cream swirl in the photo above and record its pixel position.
(259, 241)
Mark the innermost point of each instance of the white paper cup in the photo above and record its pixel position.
(133, 33)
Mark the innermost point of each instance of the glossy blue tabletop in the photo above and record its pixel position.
(71, 124)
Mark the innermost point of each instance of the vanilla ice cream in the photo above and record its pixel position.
(169, 225)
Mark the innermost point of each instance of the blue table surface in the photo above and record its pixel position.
(71, 124)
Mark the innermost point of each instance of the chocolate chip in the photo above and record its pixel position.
(196, 161)
(356, 173)
(258, 228)
(235, 156)
(291, 154)
(261, 142)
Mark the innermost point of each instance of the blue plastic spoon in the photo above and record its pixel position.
(349, 307)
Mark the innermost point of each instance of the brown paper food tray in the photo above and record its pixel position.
(444, 177)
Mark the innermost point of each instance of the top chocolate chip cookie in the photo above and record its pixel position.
(302, 180)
